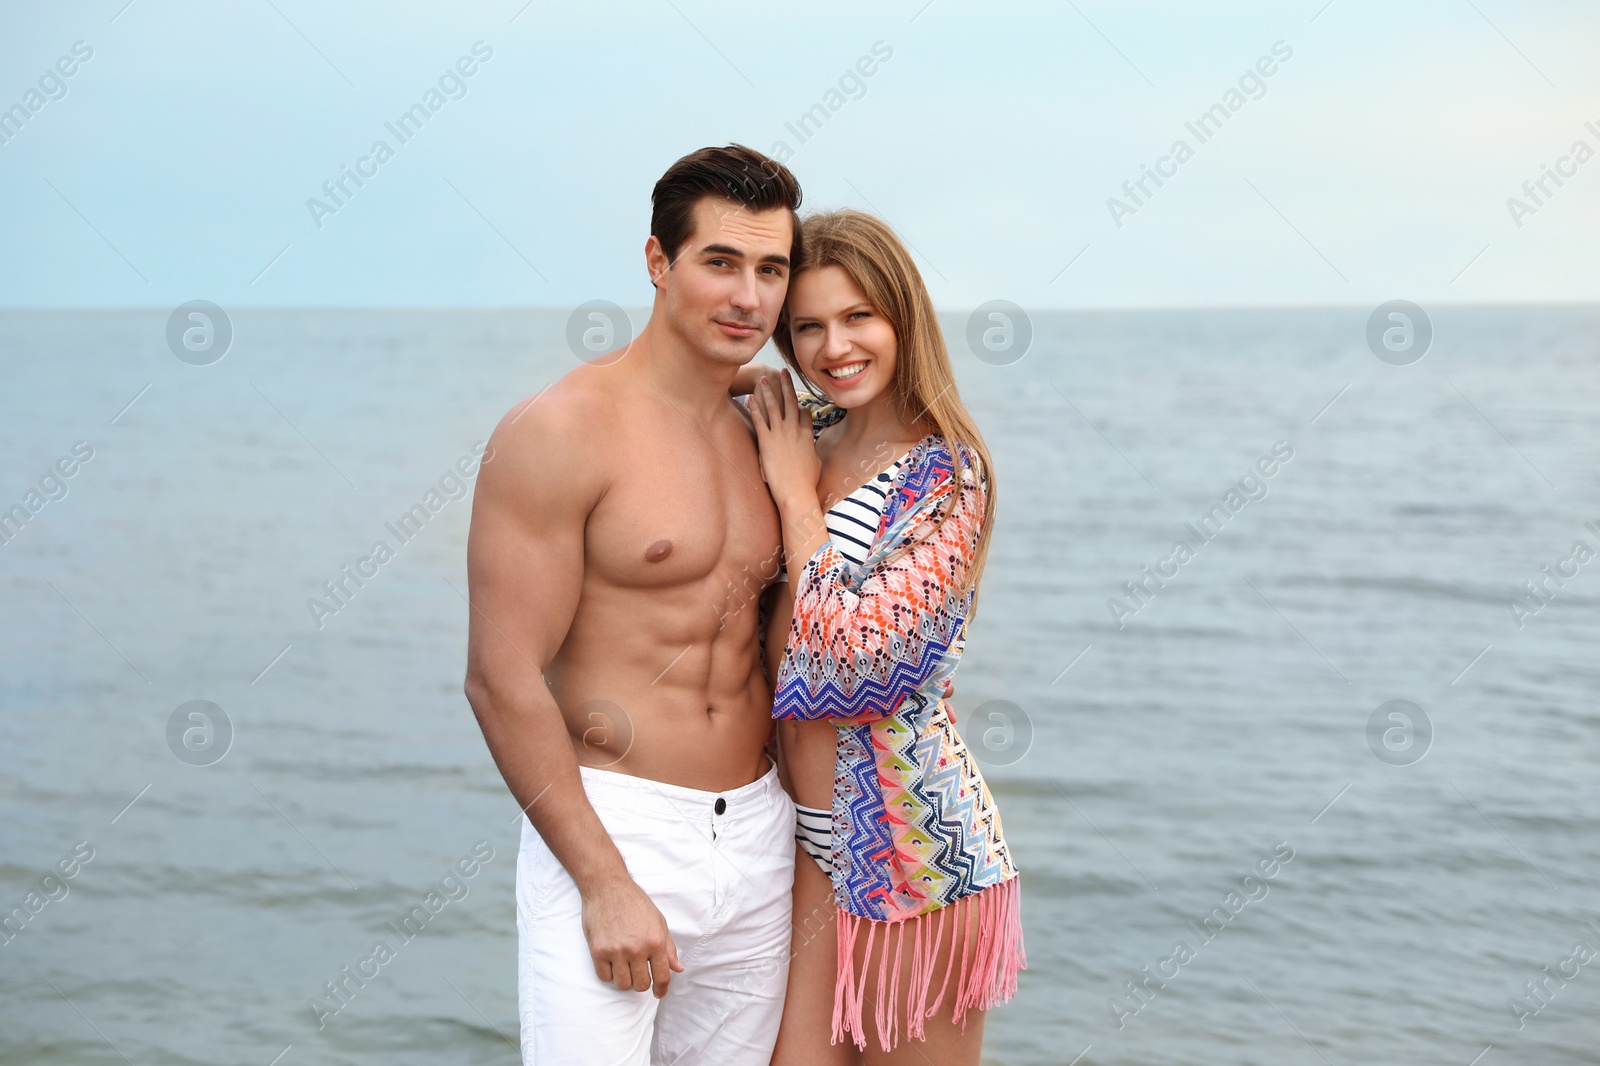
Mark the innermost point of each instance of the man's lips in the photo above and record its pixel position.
(736, 329)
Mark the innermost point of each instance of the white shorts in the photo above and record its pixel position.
(722, 878)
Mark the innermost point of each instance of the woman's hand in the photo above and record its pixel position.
(789, 460)
(790, 465)
(744, 382)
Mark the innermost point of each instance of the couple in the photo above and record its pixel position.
(671, 551)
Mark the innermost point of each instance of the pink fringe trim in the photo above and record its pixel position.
(994, 949)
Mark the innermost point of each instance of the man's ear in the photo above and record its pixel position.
(655, 260)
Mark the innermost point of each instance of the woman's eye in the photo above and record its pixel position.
(861, 314)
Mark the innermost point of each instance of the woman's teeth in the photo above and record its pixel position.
(847, 371)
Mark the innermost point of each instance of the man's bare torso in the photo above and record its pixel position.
(659, 675)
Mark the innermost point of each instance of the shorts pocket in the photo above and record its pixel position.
(537, 867)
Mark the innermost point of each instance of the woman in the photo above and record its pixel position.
(901, 847)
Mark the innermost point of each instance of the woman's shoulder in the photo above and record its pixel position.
(934, 459)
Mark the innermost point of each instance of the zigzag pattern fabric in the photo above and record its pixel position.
(873, 648)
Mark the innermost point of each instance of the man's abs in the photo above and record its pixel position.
(697, 714)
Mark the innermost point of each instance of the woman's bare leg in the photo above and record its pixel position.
(803, 1038)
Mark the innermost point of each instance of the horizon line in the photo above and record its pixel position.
(568, 309)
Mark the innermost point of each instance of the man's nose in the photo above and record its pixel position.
(745, 294)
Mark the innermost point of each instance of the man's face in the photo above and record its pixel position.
(725, 289)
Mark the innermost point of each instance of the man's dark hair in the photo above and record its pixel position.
(735, 173)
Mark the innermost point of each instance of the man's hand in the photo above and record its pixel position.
(628, 938)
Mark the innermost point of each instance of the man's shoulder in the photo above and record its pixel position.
(568, 410)
(555, 439)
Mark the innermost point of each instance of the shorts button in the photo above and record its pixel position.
(720, 806)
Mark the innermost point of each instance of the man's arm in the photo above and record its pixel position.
(535, 490)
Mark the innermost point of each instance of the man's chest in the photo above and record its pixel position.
(678, 515)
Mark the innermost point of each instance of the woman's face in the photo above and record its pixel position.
(841, 342)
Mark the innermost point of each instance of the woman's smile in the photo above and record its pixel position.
(846, 371)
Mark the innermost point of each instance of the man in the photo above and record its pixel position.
(619, 538)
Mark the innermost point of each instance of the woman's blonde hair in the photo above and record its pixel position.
(924, 383)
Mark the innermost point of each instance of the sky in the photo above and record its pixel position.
(1378, 160)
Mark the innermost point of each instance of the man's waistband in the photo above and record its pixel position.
(609, 788)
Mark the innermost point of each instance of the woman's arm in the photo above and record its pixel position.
(863, 638)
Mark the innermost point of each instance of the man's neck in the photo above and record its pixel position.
(692, 383)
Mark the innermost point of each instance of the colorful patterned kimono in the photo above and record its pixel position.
(915, 829)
